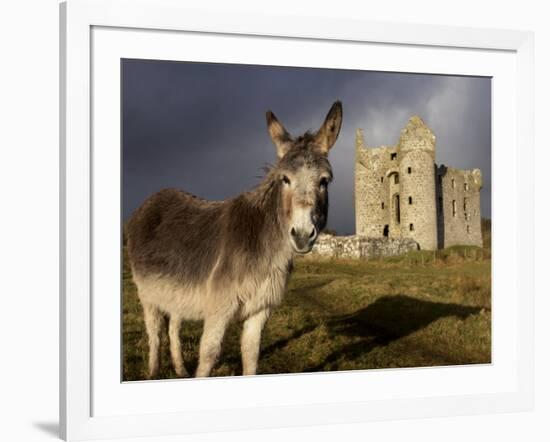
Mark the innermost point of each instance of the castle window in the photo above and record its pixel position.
(396, 208)
(453, 183)
(393, 156)
(409, 169)
(468, 229)
(386, 231)
(465, 204)
(466, 186)
(410, 200)
(381, 179)
(396, 179)
(454, 207)
(382, 205)
(411, 227)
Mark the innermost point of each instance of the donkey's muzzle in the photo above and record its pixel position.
(303, 239)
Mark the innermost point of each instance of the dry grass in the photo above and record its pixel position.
(422, 309)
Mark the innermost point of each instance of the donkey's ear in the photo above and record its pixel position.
(278, 134)
(327, 134)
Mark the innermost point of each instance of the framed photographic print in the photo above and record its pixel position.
(290, 219)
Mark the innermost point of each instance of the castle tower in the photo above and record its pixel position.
(417, 184)
(360, 203)
(372, 183)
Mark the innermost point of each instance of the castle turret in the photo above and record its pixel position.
(416, 136)
(417, 194)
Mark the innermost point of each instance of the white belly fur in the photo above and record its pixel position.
(249, 296)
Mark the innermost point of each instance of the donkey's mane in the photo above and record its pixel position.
(261, 193)
(305, 139)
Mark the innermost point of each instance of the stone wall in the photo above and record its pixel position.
(459, 218)
(360, 247)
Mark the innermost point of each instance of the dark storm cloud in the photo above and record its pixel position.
(201, 127)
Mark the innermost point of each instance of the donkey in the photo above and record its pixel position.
(194, 259)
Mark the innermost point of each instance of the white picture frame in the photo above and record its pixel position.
(81, 379)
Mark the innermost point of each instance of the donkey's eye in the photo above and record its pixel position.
(286, 180)
(323, 182)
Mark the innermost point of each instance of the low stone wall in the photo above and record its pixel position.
(360, 247)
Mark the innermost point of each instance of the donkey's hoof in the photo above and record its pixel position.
(183, 373)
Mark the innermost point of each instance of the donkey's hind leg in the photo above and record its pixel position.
(153, 323)
(175, 346)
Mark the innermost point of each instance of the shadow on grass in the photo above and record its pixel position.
(389, 318)
(282, 343)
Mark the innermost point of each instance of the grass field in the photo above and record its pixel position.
(421, 309)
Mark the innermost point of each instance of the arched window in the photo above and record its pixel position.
(409, 169)
(410, 200)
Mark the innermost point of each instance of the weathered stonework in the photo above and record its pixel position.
(401, 193)
(360, 247)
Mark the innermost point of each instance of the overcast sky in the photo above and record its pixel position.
(201, 127)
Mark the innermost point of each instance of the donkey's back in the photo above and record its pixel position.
(175, 235)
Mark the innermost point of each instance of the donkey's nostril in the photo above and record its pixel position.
(293, 231)
(312, 234)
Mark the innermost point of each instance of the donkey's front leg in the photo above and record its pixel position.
(153, 323)
(250, 341)
(211, 343)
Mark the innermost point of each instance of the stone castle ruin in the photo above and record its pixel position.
(401, 193)
(404, 201)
